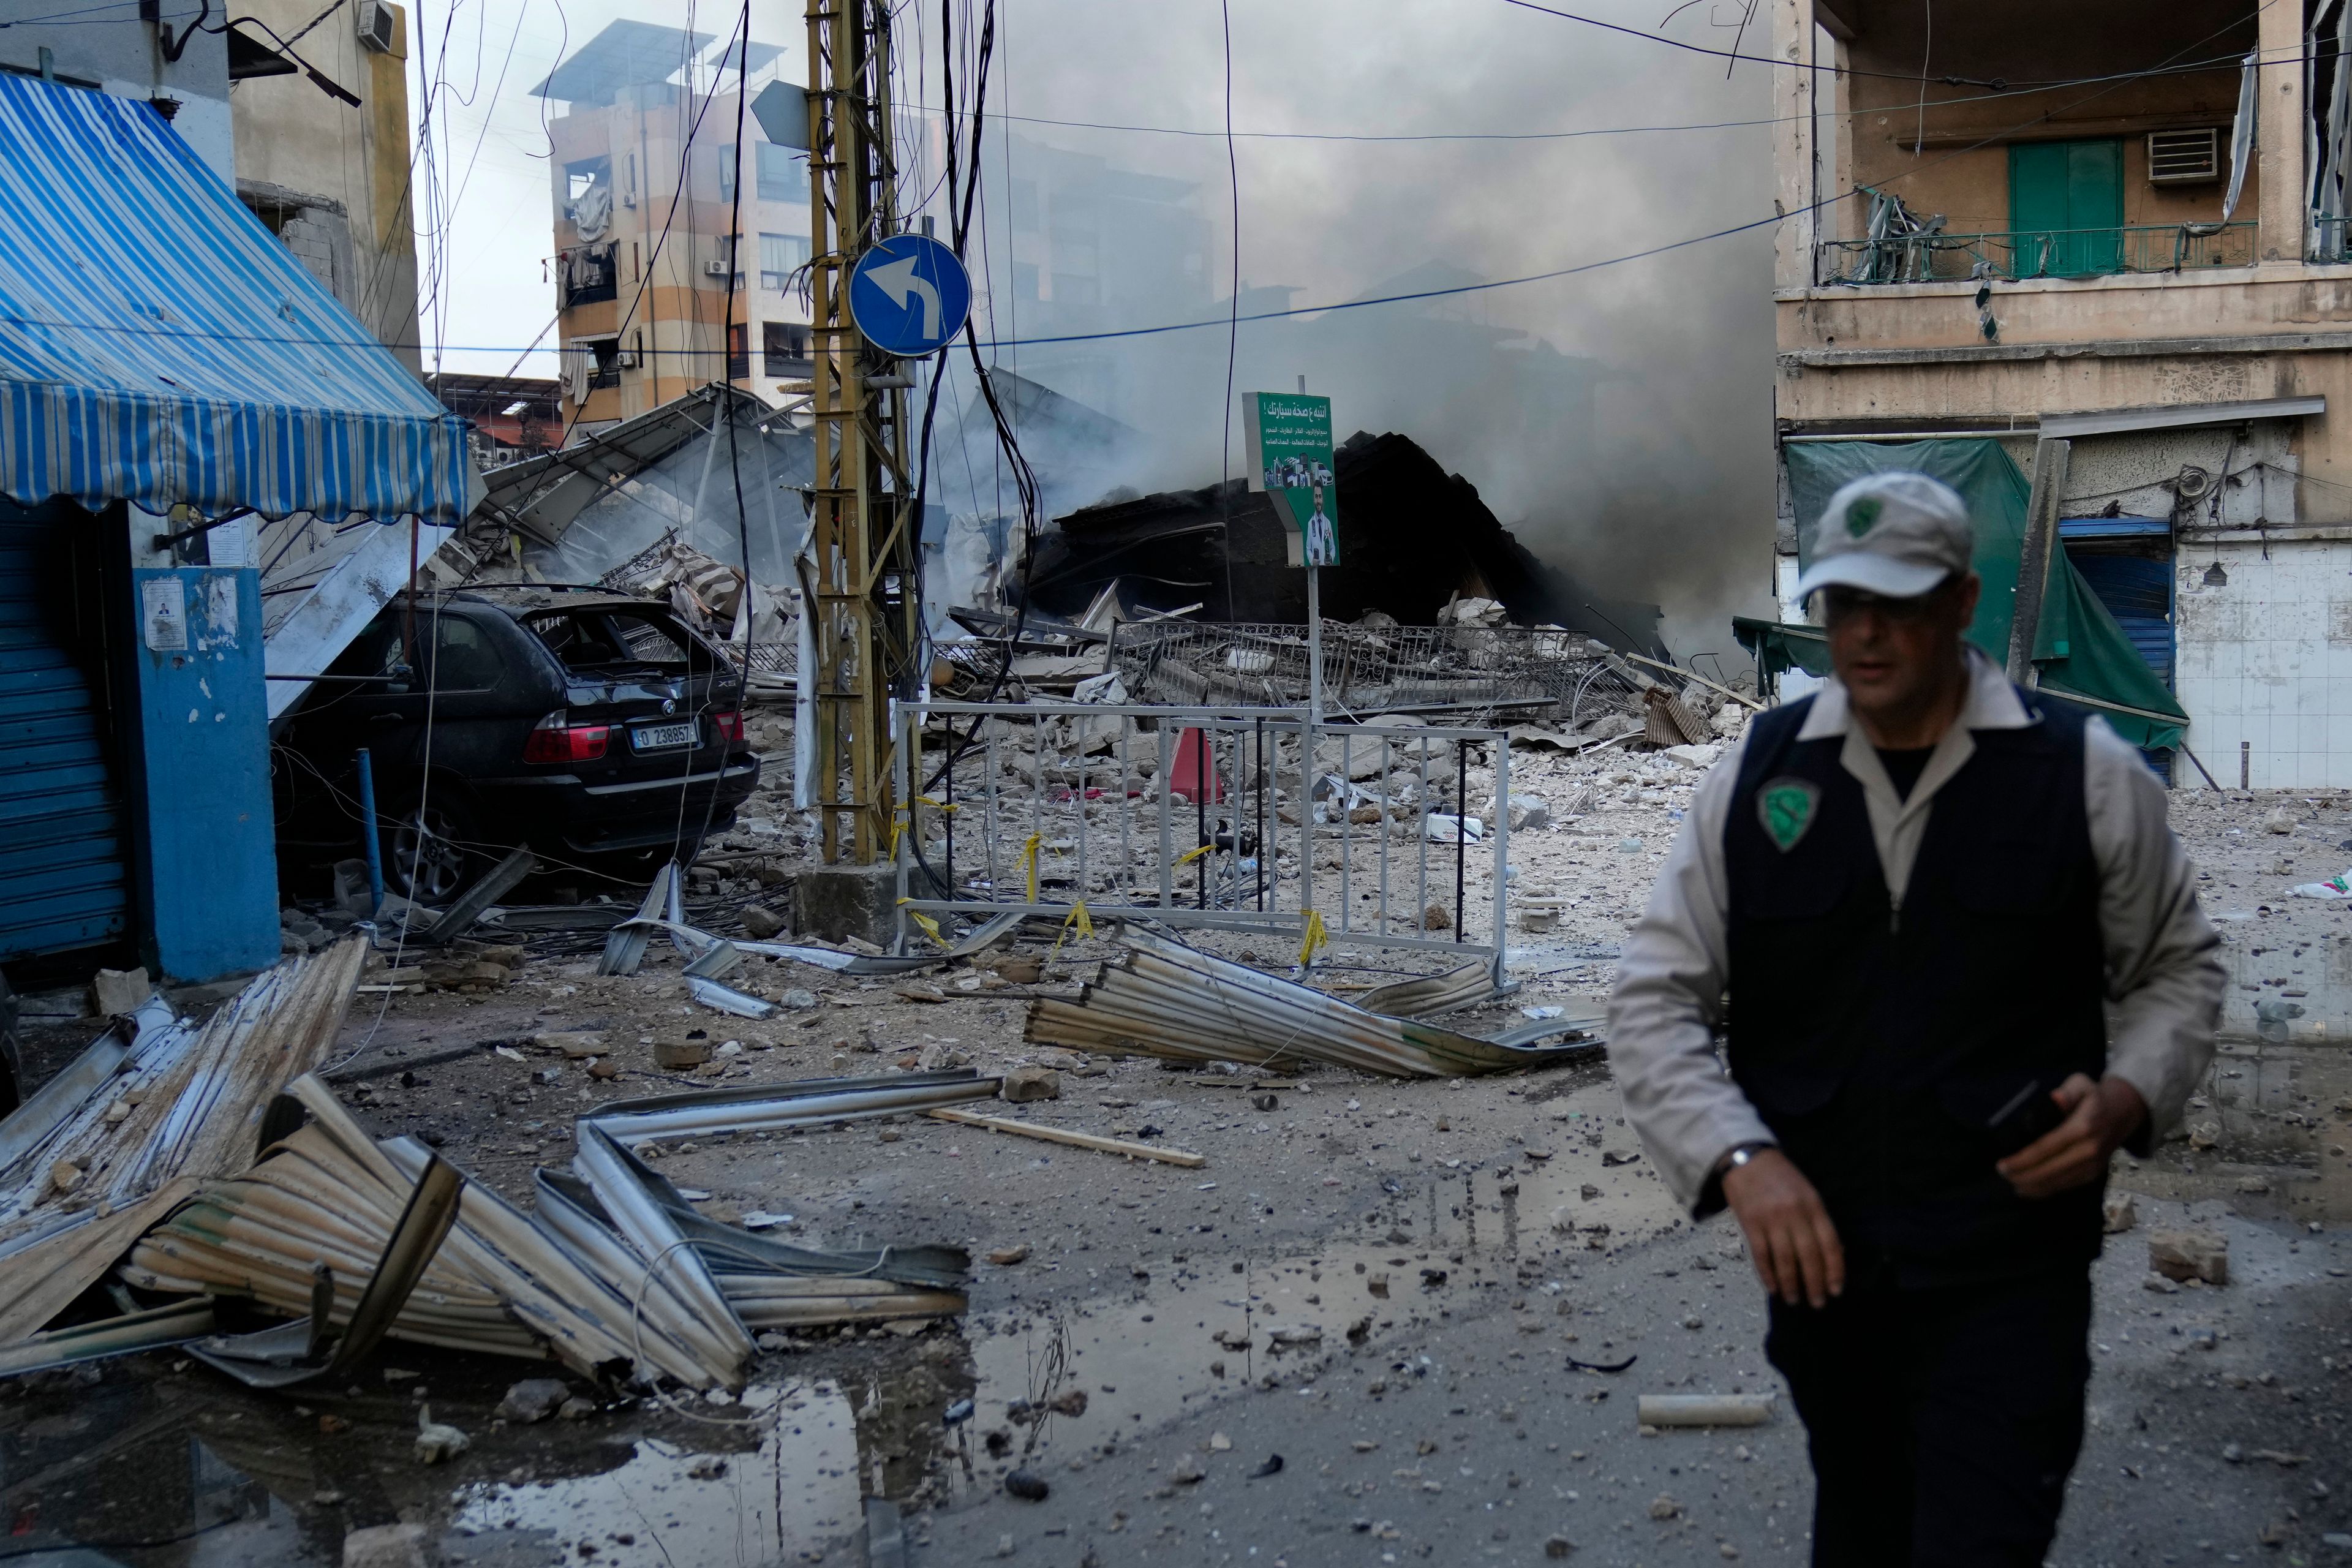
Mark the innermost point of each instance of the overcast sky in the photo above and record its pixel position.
(1328, 218)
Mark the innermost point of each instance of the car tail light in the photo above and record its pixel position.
(557, 739)
(729, 725)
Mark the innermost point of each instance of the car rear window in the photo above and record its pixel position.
(605, 641)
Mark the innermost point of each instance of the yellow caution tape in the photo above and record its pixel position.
(931, 927)
(947, 806)
(1029, 860)
(1187, 859)
(1077, 916)
(1317, 939)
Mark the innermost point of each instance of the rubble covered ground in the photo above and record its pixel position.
(1373, 1327)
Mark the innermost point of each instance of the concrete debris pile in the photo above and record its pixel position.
(1413, 538)
(1164, 999)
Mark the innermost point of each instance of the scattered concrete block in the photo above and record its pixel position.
(2186, 1255)
(574, 1044)
(534, 1399)
(761, 923)
(1023, 1084)
(116, 991)
(2119, 1214)
(677, 1055)
(837, 903)
(388, 1546)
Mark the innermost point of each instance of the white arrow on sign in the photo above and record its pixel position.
(898, 280)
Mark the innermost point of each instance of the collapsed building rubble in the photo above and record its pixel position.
(1412, 538)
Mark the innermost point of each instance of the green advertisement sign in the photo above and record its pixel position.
(1290, 456)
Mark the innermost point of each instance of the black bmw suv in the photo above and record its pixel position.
(593, 727)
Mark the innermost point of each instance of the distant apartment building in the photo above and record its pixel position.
(2100, 275)
(1092, 246)
(645, 179)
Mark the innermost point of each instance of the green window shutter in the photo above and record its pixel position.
(2066, 207)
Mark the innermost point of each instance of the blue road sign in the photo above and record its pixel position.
(909, 294)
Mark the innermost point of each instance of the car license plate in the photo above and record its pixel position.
(662, 737)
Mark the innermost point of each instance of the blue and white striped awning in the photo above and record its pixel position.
(159, 345)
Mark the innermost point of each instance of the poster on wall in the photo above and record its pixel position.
(1289, 439)
(164, 613)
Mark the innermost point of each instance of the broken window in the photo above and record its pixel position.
(785, 345)
(591, 273)
(2331, 129)
(606, 641)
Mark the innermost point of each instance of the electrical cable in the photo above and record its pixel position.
(1016, 343)
(1997, 84)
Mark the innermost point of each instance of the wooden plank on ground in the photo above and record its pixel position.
(1074, 1139)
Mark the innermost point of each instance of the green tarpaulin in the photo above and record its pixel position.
(2078, 649)
(1982, 473)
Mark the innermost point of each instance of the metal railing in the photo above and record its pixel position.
(1930, 256)
(2331, 239)
(1367, 670)
(1220, 817)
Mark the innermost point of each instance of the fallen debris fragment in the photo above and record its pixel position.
(468, 906)
(1704, 1409)
(533, 1399)
(1023, 1085)
(2185, 1255)
(297, 1352)
(1074, 1139)
(1164, 999)
(437, 1442)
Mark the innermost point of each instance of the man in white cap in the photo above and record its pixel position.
(1918, 891)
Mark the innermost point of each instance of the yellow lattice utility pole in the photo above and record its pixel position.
(863, 533)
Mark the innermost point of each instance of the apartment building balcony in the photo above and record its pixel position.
(1924, 254)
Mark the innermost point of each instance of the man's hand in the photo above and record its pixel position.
(2099, 1116)
(1789, 1232)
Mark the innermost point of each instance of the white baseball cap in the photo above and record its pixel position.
(1897, 534)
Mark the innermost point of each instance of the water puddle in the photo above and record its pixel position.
(150, 1460)
(2268, 1132)
(776, 1479)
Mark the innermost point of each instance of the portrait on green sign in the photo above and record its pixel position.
(1290, 456)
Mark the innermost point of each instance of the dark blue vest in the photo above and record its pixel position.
(1878, 1044)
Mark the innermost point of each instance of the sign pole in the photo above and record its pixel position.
(1314, 646)
(1314, 623)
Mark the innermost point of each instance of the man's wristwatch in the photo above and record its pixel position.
(1741, 1156)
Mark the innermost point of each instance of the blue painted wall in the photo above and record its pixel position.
(204, 861)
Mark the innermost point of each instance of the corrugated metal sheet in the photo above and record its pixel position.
(159, 345)
(63, 875)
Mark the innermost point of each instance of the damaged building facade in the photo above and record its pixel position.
(646, 242)
(2105, 304)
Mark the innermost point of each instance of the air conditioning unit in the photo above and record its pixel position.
(626, 359)
(2184, 157)
(379, 28)
(716, 269)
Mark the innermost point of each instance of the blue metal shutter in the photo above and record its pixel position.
(2139, 593)
(63, 878)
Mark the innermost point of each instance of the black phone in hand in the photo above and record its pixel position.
(2029, 1113)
